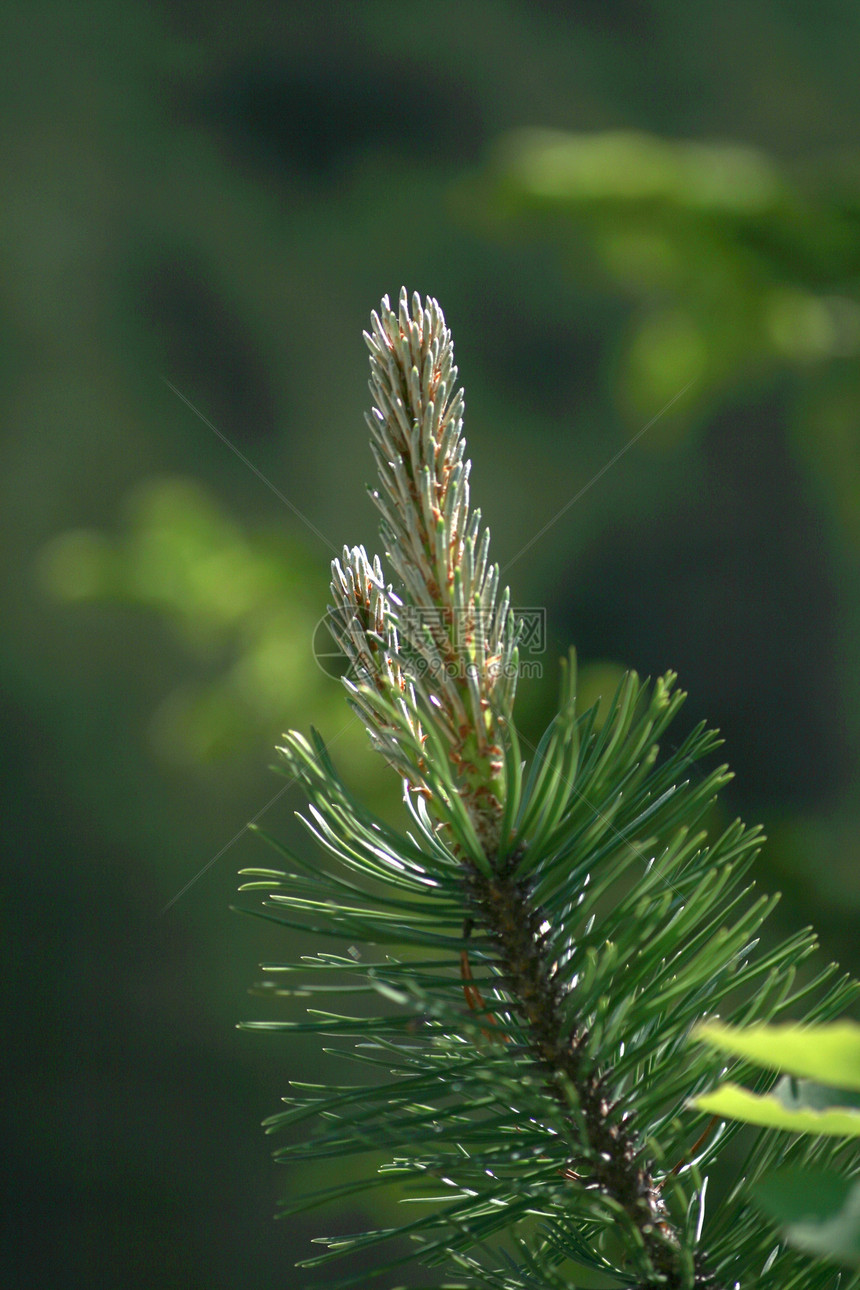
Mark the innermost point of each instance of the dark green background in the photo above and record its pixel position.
(215, 196)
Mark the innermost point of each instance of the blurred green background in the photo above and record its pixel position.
(643, 223)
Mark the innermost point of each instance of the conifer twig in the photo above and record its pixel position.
(561, 1090)
(448, 649)
(453, 622)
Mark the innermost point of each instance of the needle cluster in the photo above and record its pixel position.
(443, 652)
(540, 941)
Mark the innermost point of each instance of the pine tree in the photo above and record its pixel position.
(543, 935)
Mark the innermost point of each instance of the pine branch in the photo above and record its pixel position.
(548, 940)
(616, 1163)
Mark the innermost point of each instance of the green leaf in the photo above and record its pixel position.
(829, 1054)
(819, 1209)
(732, 1102)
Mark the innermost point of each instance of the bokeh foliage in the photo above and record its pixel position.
(217, 199)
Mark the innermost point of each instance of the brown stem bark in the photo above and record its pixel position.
(613, 1157)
